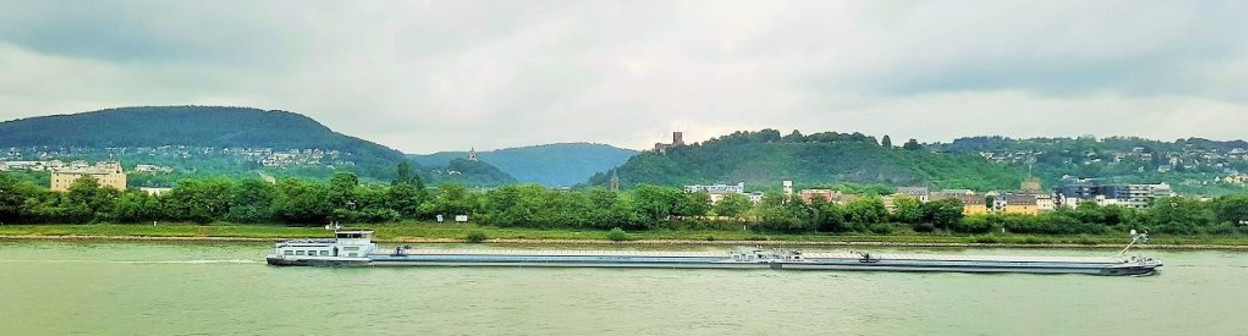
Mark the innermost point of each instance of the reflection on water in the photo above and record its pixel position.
(56, 288)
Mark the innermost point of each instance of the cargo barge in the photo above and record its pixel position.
(355, 248)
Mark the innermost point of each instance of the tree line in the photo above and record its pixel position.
(299, 202)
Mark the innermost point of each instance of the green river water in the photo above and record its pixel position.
(58, 288)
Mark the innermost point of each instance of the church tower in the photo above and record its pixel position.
(472, 154)
(615, 181)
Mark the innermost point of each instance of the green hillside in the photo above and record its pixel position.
(468, 173)
(551, 165)
(762, 159)
(1192, 165)
(212, 140)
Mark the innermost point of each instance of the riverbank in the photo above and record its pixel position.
(457, 233)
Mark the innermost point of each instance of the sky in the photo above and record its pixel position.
(426, 76)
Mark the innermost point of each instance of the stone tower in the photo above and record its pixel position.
(615, 181)
(472, 154)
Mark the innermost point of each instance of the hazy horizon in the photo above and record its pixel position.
(423, 77)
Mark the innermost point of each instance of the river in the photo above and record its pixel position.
(114, 288)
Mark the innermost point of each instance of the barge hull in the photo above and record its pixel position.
(702, 263)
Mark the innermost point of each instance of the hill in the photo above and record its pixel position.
(467, 173)
(762, 159)
(1192, 165)
(209, 140)
(551, 165)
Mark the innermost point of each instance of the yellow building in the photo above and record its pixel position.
(1024, 204)
(109, 174)
(973, 204)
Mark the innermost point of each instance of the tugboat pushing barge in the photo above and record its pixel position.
(355, 248)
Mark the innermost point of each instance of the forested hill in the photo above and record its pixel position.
(552, 165)
(1192, 165)
(198, 140)
(762, 159)
(208, 126)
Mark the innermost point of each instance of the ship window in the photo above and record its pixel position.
(324, 253)
(299, 252)
(289, 252)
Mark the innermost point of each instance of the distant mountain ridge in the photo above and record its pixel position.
(552, 165)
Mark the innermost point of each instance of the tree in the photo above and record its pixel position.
(865, 211)
(251, 201)
(732, 205)
(137, 206)
(453, 199)
(908, 209)
(609, 209)
(404, 174)
(200, 200)
(1231, 208)
(830, 216)
(943, 213)
(912, 145)
(13, 196)
(301, 202)
(692, 204)
(1180, 215)
(654, 203)
(86, 200)
(886, 142)
(778, 213)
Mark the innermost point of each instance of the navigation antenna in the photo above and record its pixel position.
(1135, 237)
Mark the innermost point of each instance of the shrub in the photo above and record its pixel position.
(477, 237)
(986, 240)
(617, 235)
(1085, 240)
(881, 228)
(1033, 240)
(924, 227)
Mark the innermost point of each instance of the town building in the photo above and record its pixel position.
(973, 204)
(810, 194)
(946, 194)
(1016, 203)
(920, 193)
(718, 190)
(109, 174)
(1135, 196)
(156, 191)
(147, 168)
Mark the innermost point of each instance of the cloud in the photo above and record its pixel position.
(445, 75)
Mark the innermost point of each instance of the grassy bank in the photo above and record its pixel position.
(433, 232)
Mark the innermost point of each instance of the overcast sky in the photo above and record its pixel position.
(425, 76)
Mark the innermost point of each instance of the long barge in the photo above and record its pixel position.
(355, 248)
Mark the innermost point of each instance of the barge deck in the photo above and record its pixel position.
(356, 249)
